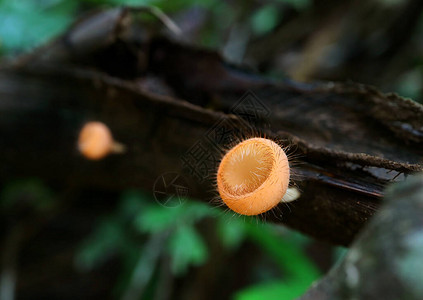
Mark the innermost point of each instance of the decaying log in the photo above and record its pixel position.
(166, 101)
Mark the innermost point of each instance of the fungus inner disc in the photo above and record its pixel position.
(247, 167)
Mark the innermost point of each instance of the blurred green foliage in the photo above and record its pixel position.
(139, 219)
(288, 253)
(26, 195)
(265, 19)
(27, 23)
(410, 84)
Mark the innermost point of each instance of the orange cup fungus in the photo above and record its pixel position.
(253, 176)
(96, 141)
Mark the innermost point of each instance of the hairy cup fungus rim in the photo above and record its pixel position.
(253, 176)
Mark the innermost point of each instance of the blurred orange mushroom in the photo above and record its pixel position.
(96, 141)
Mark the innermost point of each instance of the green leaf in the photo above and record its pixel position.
(155, 218)
(105, 241)
(132, 203)
(272, 290)
(186, 247)
(231, 231)
(289, 256)
(265, 19)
